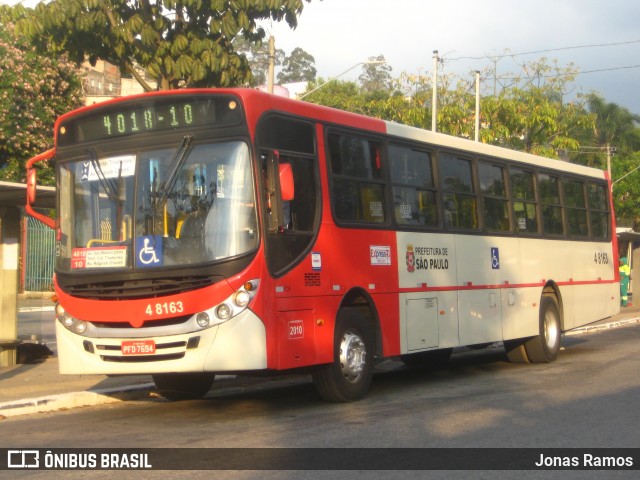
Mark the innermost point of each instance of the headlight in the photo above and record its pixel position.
(223, 312)
(203, 319)
(81, 326)
(229, 308)
(241, 298)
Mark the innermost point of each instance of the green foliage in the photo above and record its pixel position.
(180, 43)
(258, 56)
(298, 67)
(625, 172)
(376, 77)
(34, 90)
(528, 115)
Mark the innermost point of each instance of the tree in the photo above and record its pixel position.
(34, 91)
(532, 116)
(180, 43)
(626, 191)
(336, 94)
(615, 128)
(298, 67)
(258, 56)
(376, 77)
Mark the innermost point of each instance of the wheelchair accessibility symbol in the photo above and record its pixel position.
(495, 258)
(149, 251)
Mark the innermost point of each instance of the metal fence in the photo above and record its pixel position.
(39, 256)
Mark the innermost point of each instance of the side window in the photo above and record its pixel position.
(523, 194)
(550, 202)
(358, 188)
(495, 206)
(291, 196)
(414, 198)
(598, 210)
(458, 192)
(576, 208)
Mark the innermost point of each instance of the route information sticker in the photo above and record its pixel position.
(101, 257)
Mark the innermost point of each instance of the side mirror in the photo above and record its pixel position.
(32, 186)
(286, 182)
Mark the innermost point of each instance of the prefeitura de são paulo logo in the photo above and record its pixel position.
(411, 259)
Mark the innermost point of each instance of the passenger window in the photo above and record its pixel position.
(358, 189)
(523, 194)
(495, 204)
(414, 199)
(459, 197)
(598, 210)
(552, 223)
(576, 208)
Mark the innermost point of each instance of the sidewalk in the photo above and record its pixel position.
(36, 388)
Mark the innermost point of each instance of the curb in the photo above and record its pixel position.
(65, 401)
(604, 326)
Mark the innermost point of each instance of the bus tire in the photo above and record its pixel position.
(544, 347)
(432, 358)
(348, 378)
(515, 351)
(183, 386)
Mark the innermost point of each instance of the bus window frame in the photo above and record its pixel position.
(383, 181)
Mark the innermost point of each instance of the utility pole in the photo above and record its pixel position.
(434, 97)
(272, 64)
(477, 105)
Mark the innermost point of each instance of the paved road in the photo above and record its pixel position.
(587, 399)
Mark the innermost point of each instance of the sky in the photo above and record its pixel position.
(340, 34)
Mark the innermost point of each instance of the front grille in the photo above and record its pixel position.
(142, 358)
(151, 323)
(134, 289)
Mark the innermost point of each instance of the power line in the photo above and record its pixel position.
(599, 70)
(595, 45)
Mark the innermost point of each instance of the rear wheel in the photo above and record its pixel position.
(183, 386)
(348, 378)
(544, 347)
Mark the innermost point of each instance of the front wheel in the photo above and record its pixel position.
(183, 386)
(348, 378)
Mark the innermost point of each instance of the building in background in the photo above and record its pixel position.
(104, 82)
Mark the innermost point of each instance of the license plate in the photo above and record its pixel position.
(138, 347)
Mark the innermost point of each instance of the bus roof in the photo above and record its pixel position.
(340, 117)
(257, 102)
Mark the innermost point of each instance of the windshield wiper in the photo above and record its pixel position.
(179, 157)
(109, 187)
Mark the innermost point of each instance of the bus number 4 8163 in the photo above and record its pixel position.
(165, 308)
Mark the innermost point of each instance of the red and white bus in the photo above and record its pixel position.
(210, 231)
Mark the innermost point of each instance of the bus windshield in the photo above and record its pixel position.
(180, 205)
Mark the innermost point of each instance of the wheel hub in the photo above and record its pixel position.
(353, 356)
(551, 330)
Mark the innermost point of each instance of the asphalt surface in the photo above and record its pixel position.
(32, 388)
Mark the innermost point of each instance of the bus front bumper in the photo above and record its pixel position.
(236, 345)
